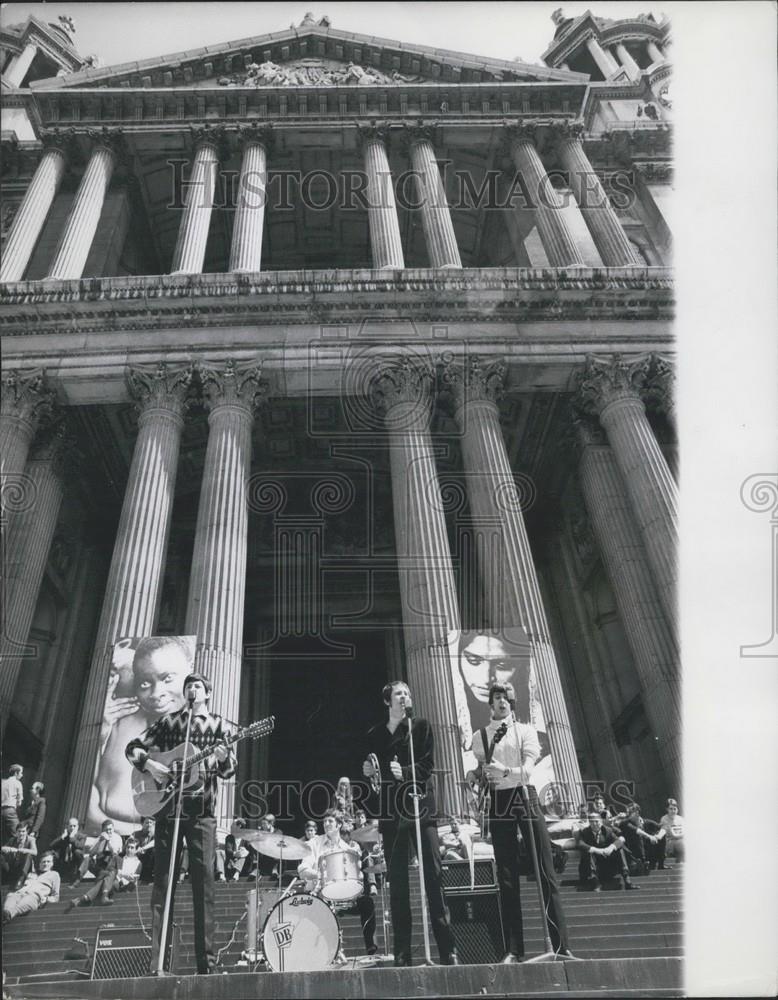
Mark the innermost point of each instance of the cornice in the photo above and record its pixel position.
(482, 296)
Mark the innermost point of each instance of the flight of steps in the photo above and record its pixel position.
(611, 924)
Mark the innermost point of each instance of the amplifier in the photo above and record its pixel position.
(476, 921)
(124, 953)
(456, 876)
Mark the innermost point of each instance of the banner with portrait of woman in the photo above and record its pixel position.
(145, 682)
(480, 659)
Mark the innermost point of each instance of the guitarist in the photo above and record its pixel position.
(510, 767)
(198, 823)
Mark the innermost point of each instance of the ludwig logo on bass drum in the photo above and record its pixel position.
(302, 900)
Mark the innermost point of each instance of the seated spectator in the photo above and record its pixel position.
(17, 856)
(640, 838)
(455, 845)
(102, 853)
(36, 810)
(239, 857)
(342, 800)
(36, 892)
(671, 842)
(120, 873)
(129, 868)
(144, 838)
(602, 857)
(69, 850)
(599, 807)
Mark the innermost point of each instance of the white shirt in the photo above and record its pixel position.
(519, 747)
(320, 846)
(12, 793)
(672, 825)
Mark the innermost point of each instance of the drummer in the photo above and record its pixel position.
(308, 869)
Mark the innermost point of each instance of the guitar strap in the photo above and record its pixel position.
(485, 742)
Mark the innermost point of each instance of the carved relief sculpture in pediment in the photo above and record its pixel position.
(312, 73)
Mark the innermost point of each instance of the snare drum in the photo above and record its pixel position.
(340, 876)
(301, 934)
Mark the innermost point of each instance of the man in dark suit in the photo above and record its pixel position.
(69, 850)
(602, 857)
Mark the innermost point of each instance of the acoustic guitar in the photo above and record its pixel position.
(151, 795)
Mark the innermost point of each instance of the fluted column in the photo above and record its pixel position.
(189, 254)
(555, 235)
(641, 611)
(27, 551)
(246, 250)
(76, 240)
(385, 243)
(134, 585)
(508, 575)
(20, 63)
(435, 213)
(626, 60)
(610, 389)
(31, 216)
(217, 586)
(659, 390)
(604, 60)
(601, 219)
(655, 52)
(402, 392)
(26, 402)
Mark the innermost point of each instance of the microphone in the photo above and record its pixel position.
(408, 709)
(190, 695)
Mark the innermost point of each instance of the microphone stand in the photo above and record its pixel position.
(160, 971)
(549, 955)
(415, 795)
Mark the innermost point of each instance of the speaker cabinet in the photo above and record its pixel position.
(455, 876)
(476, 920)
(124, 953)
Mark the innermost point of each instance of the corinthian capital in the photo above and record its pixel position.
(474, 379)
(57, 445)
(608, 380)
(160, 387)
(373, 132)
(26, 396)
(262, 134)
(402, 380)
(111, 139)
(210, 135)
(232, 384)
(62, 139)
(660, 385)
(419, 132)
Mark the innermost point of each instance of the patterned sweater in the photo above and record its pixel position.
(169, 732)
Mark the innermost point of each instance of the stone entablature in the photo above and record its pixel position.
(310, 103)
(479, 296)
(606, 31)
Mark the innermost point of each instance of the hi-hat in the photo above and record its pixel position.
(277, 845)
(366, 835)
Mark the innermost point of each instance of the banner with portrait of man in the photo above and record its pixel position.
(480, 659)
(146, 681)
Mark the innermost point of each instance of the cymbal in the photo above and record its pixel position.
(278, 845)
(366, 835)
(251, 836)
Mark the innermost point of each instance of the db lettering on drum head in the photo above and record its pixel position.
(301, 934)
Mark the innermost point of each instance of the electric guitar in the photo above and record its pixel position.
(484, 795)
(151, 795)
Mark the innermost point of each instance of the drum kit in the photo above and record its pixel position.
(296, 929)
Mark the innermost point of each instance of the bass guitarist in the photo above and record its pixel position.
(198, 822)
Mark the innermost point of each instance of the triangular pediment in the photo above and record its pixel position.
(310, 56)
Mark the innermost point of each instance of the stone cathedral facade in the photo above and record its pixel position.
(323, 347)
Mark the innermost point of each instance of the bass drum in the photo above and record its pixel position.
(301, 934)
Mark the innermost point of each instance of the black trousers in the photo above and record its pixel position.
(397, 847)
(603, 869)
(507, 814)
(200, 835)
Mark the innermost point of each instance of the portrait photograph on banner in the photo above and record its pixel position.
(146, 681)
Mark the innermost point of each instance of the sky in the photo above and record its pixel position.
(121, 32)
(725, 104)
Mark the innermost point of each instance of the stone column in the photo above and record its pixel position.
(641, 611)
(626, 60)
(217, 585)
(555, 235)
(659, 388)
(610, 389)
(20, 63)
(435, 214)
(81, 226)
(26, 402)
(27, 552)
(31, 216)
(402, 392)
(655, 52)
(134, 585)
(511, 587)
(603, 223)
(604, 60)
(385, 243)
(246, 251)
(189, 254)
